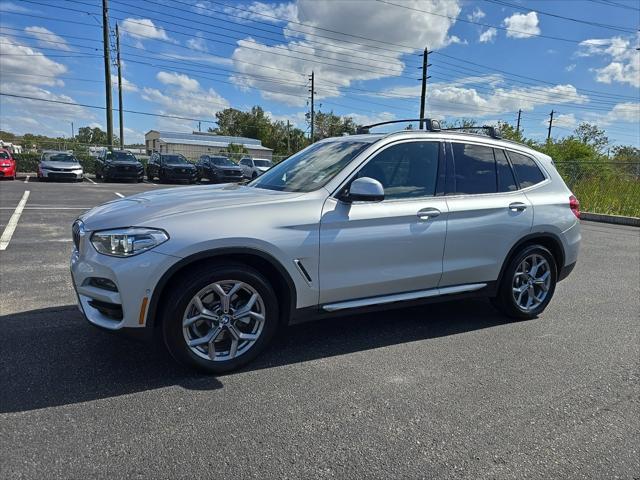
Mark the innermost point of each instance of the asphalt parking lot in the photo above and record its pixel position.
(446, 391)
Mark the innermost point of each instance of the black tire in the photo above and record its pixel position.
(98, 176)
(179, 298)
(505, 301)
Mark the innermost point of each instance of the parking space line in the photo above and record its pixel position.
(13, 222)
(119, 194)
(49, 208)
(87, 178)
(26, 180)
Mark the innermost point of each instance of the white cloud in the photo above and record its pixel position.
(624, 59)
(567, 120)
(180, 80)
(520, 25)
(334, 61)
(266, 12)
(361, 119)
(143, 29)
(570, 68)
(183, 96)
(488, 36)
(476, 15)
(12, 7)
(21, 64)
(453, 40)
(127, 86)
(197, 43)
(46, 38)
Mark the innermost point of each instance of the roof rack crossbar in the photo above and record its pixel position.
(431, 125)
(491, 130)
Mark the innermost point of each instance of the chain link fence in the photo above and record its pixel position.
(606, 187)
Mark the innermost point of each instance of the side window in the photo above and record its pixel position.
(244, 162)
(475, 169)
(526, 169)
(405, 170)
(506, 180)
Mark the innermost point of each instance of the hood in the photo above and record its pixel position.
(124, 164)
(51, 164)
(154, 208)
(227, 167)
(178, 165)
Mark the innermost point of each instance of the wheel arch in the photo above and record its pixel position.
(265, 263)
(547, 239)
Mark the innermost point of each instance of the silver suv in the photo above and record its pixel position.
(347, 225)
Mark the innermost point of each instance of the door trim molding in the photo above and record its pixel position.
(402, 297)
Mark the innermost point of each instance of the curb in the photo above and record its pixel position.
(615, 219)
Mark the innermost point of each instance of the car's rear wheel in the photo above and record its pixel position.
(220, 318)
(528, 283)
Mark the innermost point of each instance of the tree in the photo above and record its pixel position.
(235, 151)
(331, 125)
(93, 136)
(593, 136)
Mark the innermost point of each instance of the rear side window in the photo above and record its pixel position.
(475, 169)
(406, 170)
(506, 180)
(526, 170)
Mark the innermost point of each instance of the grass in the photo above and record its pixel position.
(610, 194)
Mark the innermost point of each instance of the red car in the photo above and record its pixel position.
(7, 165)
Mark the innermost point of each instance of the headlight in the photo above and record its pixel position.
(126, 242)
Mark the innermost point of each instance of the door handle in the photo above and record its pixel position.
(517, 207)
(427, 213)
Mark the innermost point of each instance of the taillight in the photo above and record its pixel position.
(574, 205)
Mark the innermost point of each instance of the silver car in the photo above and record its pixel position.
(347, 225)
(59, 165)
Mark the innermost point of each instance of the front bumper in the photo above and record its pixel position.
(123, 174)
(134, 278)
(61, 175)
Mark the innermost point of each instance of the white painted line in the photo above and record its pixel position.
(119, 194)
(26, 180)
(90, 180)
(13, 222)
(49, 208)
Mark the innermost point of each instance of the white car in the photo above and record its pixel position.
(59, 165)
(346, 225)
(254, 167)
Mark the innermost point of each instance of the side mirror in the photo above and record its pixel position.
(365, 189)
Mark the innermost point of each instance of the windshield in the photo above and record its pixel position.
(121, 157)
(222, 161)
(4, 155)
(310, 168)
(173, 159)
(262, 163)
(62, 157)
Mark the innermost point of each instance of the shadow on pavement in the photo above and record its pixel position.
(52, 357)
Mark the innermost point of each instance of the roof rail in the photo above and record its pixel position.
(492, 131)
(431, 125)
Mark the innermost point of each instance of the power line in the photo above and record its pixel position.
(499, 27)
(561, 17)
(611, 3)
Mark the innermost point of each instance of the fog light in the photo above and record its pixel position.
(103, 283)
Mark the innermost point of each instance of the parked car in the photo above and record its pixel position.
(254, 167)
(349, 224)
(119, 165)
(8, 167)
(218, 169)
(59, 165)
(171, 167)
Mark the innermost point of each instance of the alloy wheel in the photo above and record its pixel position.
(223, 320)
(531, 282)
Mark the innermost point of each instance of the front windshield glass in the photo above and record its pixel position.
(173, 159)
(262, 163)
(62, 157)
(121, 157)
(310, 168)
(222, 161)
(4, 155)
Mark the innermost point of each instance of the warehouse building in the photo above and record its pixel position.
(193, 145)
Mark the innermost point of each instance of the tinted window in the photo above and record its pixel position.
(506, 180)
(526, 169)
(475, 168)
(222, 162)
(121, 157)
(4, 155)
(405, 170)
(174, 159)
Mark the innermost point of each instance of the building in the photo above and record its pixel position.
(193, 145)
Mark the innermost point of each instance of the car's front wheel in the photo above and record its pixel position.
(220, 318)
(528, 283)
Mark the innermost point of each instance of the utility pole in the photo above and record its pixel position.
(423, 96)
(107, 72)
(312, 99)
(120, 113)
(518, 126)
(288, 137)
(550, 125)
(73, 135)
(199, 126)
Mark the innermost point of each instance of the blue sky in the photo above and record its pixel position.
(191, 58)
